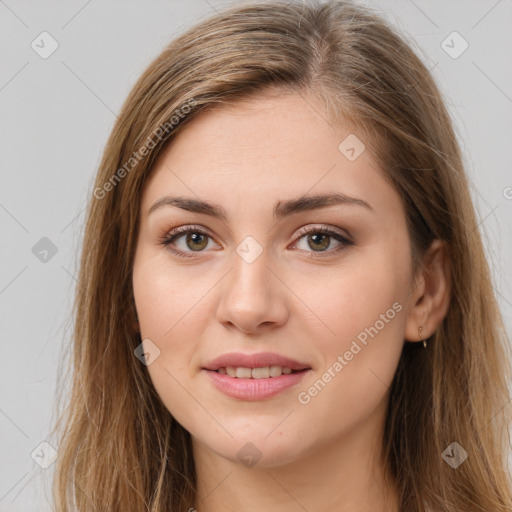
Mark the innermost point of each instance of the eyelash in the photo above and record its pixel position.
(325, 230)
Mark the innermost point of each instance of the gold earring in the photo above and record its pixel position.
(420, 328)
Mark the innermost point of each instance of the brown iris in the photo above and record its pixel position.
(195, 238)
(324, 242)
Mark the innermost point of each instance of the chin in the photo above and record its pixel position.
(258, 451)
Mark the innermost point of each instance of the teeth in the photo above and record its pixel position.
(243, 373)
(255, 373)
(275, 371)
(260, 373)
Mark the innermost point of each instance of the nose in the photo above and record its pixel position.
(253, 297)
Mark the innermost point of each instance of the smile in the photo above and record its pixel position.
(254, 383)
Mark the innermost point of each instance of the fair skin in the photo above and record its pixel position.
(314, 456)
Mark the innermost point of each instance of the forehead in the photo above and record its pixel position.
(261, 150)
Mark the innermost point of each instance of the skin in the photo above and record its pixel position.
(324, 454)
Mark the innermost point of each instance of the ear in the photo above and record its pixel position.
(430, 299)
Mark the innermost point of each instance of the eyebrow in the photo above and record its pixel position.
(281, 209)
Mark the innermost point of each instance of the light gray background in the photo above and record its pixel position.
(56, 114)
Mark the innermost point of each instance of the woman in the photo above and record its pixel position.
(284, 302)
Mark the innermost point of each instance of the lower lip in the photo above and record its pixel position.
(254, 389)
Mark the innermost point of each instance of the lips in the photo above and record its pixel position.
(259, 360)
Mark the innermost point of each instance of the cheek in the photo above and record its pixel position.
(343, 301)
(367, 313)
(166, 299)
(169, 312)
(362, 309)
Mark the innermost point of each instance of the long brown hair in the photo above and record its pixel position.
(119, 447)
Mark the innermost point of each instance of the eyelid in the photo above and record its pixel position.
(337, 233)
(324, 228)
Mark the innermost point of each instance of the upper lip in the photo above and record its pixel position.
(260, 360)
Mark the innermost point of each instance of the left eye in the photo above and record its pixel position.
(320, 238)
(197, 240)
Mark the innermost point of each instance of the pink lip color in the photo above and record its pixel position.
(253, 389)
(257, 360)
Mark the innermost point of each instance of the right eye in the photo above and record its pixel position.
(196, 239)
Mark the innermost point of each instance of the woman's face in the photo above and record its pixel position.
(267, 279)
